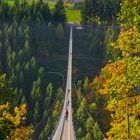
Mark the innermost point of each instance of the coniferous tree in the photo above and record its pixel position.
(59, 15)
(86, 12)
(111, 53)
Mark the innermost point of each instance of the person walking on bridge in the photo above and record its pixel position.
(66, 114)
(68, 102)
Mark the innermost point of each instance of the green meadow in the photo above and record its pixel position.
(73, 15)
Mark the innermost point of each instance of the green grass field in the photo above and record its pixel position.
(10, 2)
(51, 4)
(73, 15)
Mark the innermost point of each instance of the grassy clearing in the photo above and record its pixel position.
(51, 4)
(73, 15)
(10, 2)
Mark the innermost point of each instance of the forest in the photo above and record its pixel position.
(106, 69)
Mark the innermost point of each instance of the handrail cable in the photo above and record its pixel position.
(79, 98)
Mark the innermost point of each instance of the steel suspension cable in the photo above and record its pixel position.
(41, 124)
(79, 98)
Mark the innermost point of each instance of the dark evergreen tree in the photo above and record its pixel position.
(87, 12)
(96, 11)
(59, 14)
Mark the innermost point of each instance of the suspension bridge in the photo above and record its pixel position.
(64, 130)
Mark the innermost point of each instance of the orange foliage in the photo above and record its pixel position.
(89, 97)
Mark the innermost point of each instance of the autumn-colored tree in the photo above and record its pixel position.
(130, 13)
(128, 42)
(6, 92)
(12, 126)
(121, 86)
(122, 78)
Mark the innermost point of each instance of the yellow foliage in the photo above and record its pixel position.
(131, 3)
(128, 42)
(122, 84)
(121, 77)
(4, 107)
(19, 113)
(18, 118)
(21, 133)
